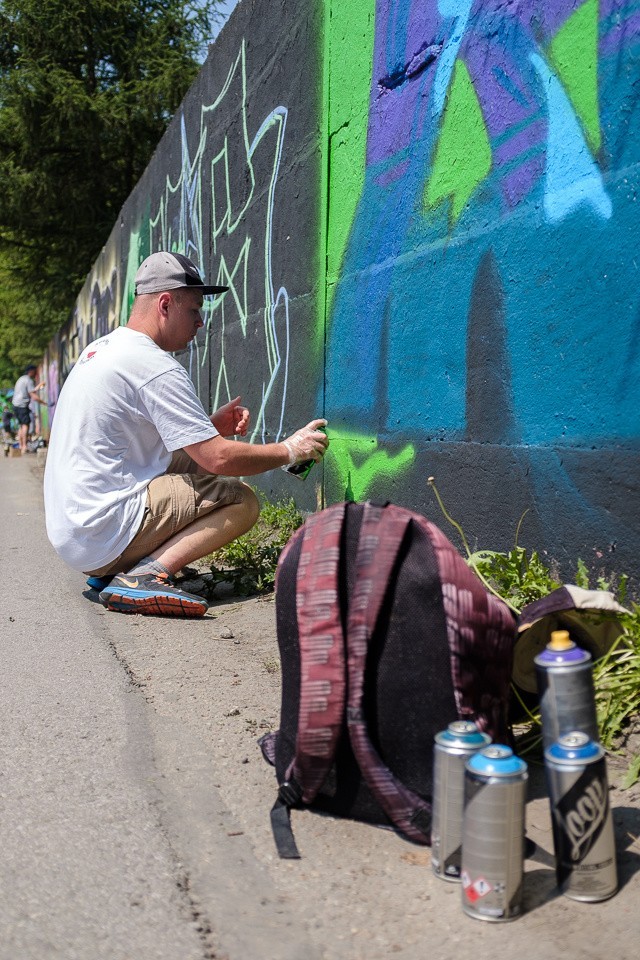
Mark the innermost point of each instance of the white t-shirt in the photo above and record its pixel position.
(126, 406)
(22, 390)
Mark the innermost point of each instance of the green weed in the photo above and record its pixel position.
(249, 563)
(616, 678)
(516, 577)
(519, 578)
(271, 664)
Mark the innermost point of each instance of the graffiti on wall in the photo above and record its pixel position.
(475, 273)
(204, 192)
(200, 210)
(492, 234)
(96, 313)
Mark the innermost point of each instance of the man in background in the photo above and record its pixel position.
(139, 480)
(24, 392)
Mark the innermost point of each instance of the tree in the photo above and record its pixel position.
(23, 336)
(87, 88)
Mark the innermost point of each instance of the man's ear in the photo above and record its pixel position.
(163, 303)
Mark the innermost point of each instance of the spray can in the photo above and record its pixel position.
(565, 686)
(493, 834)
(452, 749)
(583, 836)
(301, 470)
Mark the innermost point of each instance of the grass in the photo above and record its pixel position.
(617, 683)
(271, 664)
(519, 578)
(249, 563)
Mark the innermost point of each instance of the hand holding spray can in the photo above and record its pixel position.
(493, 834)
(452, 749)
(301, 470)
(583, 836)
(565, 685)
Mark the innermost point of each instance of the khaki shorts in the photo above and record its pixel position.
(174, 500)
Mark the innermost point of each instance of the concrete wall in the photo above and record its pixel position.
(427, 215)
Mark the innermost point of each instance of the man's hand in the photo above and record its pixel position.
(232, 419)
(308, 443)
(36, 399)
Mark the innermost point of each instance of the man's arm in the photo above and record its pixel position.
(232, 459)
(34, 396)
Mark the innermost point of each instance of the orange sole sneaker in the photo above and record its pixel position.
(151, 596)
(157, 606)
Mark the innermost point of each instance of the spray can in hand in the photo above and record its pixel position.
(565, 686)
(301, 470)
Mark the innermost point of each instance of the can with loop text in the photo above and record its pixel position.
(583, 835)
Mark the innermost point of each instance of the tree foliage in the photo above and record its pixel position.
(87, 88)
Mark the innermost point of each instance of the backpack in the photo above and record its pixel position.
(385, 637)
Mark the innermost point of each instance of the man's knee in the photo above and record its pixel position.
(250, 505)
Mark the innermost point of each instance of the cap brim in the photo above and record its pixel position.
(209, 291)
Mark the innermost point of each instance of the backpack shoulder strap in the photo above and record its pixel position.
(322, 663)
(383, 531)
(322, 670)
(481, 631)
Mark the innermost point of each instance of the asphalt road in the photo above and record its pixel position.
(104, 821)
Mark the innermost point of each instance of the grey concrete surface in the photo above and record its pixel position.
(87, 869)
(89, 866)
(134, 802)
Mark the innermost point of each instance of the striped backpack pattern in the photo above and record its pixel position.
(385, 637)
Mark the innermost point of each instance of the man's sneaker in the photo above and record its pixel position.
(98, 583)
(151, 593)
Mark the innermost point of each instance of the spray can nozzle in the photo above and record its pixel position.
(560, 640)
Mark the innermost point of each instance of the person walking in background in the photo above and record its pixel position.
(139, 480)
(24, 393)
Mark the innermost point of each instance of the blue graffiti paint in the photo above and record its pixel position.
(572, 177)
(560, 231)
(458, 11)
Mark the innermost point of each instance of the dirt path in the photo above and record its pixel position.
(359, 892)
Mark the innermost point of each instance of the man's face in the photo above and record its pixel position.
(183, 314)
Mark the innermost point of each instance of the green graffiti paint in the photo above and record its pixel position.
(128, 288)
(349, 29)
(357, 462)
(573, 53)
(463, 154)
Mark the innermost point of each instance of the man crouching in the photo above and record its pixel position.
(139, 481)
